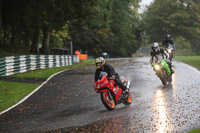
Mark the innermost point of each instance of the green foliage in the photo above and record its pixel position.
(58, 37)
(114, 28)
(178, 18)
(94, 26)
(181, 43)
(125, 26)
(22, 21)
(104, 11)
(183, 47)
(184, 52)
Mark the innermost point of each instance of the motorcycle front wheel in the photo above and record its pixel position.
(107, 101)
(163, 77)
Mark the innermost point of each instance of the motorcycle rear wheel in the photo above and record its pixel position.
(107, 101)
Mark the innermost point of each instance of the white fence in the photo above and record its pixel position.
(19, 64)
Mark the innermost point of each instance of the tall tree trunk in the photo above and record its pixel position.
(45, 41)
(35, 42)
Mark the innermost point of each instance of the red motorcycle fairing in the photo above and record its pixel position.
(103, 85)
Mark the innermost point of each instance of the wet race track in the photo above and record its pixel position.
(68, 103)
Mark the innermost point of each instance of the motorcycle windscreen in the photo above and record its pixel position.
(101, 75)
(159, 57)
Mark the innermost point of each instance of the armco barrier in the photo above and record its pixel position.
(19, 64)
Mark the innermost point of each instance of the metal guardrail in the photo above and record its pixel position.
(19, 64)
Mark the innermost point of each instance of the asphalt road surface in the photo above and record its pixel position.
(68, 103)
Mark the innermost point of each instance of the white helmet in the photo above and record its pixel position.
(155, 47)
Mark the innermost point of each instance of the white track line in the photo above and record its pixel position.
(26, 97)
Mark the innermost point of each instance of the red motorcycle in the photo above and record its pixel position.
(112, 94)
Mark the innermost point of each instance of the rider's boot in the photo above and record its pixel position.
(170, 67)
(118, 82)
(124, 88)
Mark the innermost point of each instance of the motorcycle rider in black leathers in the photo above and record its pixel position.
(102, 67)
(169, 40)
(156, 50)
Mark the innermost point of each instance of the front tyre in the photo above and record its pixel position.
(163, 77)
(107, 101)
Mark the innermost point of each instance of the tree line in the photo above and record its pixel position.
(97, 26)
(94, 26)
(180, 18)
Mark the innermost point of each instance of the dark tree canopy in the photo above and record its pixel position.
(180, 18)
(94, 26)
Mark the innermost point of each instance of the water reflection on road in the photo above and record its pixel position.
(161, 111)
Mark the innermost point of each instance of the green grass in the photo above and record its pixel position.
(195, 131)
(13, 92)
(45, 73)
(191, 60)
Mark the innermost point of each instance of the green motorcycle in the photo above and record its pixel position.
(162, 71)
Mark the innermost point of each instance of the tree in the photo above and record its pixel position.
(175, 17)
(94, 26)
(125, 26)
(113, 28)
(24, 21)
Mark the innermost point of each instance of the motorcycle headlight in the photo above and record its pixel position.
(169, 50)
(157, 67)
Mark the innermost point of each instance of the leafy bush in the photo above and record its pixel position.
(183, 47)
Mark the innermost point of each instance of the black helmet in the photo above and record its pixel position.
(168, 37)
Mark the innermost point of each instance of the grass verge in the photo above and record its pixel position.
(197, 130)
(13, 92)
(191, 60)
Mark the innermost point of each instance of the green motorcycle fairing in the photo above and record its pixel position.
(164, 64)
